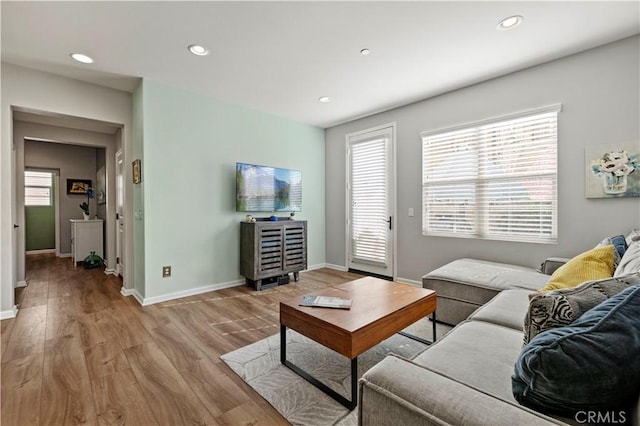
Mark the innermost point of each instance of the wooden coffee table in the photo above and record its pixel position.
(379, 310)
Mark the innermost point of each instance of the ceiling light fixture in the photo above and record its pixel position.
(509, 23)
(81, 58)
(325, 99)
(365, 52)
(198, 50)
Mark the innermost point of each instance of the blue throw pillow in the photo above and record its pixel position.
(620, 244)
(592, 364)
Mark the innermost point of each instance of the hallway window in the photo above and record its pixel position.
(37, 188)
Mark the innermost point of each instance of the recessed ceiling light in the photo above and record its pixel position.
(81, 58)
(365, 52)
(325, 99)
(196, 49)
(509, 23)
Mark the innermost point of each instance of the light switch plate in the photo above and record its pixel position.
(410, 211)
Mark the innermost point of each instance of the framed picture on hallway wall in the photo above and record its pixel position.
(137, 173)
(78, 186)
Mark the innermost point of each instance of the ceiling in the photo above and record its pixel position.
(280, 57)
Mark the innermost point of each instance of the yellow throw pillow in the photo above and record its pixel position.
(594, 264)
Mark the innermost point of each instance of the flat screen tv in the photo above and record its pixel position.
(267, 189)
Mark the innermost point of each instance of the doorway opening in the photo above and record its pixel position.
(75, 149)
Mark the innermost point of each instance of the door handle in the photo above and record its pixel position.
(390, 222)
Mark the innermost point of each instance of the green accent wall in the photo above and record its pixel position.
(40, 227)
(191, 144)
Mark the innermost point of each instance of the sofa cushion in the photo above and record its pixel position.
(454, 311)
(560, 308)
(593, 264)
(591, 365)
(506, 309)
(399, 392)
(634, 235)
(630, 262)
(464, 285)
(473, 275)
(478, 354)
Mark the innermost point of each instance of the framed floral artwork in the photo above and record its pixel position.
(613, 170)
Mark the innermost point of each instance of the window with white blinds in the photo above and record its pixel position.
(493, 179)
(37, 188)
(369, 212)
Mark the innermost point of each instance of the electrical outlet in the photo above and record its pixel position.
(166, 271)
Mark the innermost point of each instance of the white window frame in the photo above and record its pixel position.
(48, 187)
(475, 181)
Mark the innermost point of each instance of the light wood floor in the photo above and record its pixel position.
(80, 353)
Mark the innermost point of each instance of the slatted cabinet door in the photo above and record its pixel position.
(295, 247)
(269, 253)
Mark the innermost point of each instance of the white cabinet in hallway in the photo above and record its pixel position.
(86, 236)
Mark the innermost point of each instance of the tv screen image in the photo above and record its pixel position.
(267, 189)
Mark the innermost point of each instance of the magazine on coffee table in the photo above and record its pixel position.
(325, 302)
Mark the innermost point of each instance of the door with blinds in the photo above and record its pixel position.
(370, 204)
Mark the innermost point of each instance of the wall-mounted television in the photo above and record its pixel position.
(267, 189)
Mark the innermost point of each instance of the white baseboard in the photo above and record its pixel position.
(345, 269)
(336, 267)
(132, 292)
(318, 266)
(21, 284)
(110, 272)
(408, 281)
(40, 251)
(146, 301)
(65, 255)
(11, 313)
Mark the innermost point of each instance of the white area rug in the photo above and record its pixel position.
(297, 400)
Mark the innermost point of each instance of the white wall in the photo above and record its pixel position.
(600, 95)
(34, 90)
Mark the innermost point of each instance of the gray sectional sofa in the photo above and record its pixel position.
(464, 378)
